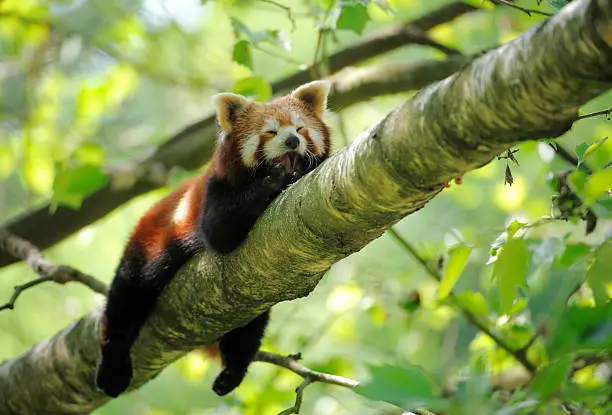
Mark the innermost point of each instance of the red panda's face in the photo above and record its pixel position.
(286, 131)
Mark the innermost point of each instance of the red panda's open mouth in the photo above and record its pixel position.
(289, 160)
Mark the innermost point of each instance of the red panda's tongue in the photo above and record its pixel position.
(289, 160)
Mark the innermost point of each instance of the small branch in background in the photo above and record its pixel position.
(567, 156)
(61, 274)
(290, 363)
(10, 304)
(523, 9)
(523, 350)
(299, 392)
(342, 129)
(286, 9)
(468, 314)
(607, 113)
(310, 376)
(321, 57)
(277, 55)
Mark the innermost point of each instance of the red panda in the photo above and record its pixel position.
(261, 149)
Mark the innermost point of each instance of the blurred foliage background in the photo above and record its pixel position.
(89, 88)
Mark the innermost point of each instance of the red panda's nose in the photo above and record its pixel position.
(292, 142)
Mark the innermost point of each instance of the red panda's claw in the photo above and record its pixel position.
(277, 179)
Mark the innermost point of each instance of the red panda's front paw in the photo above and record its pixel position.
(278, 178)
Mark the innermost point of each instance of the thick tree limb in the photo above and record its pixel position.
(193, 146)
(526, 89)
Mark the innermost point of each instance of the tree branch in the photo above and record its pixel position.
(61, 274)
(392, 170)
(289, 362)
(529, 12)
(10, 304)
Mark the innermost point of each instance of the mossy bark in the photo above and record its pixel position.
(527, 89)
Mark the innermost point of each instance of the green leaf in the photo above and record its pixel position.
(384, 6)
(273, 36)
(594, 147)
(550, 378)
(353, 17)
(582, 329)
(580, 150)
(7, 161)
(242, 54)
(255, 87)
(458, 256)
(240, 28)
(407, 387)
(73, 184)
(549, 288)
(597, 184)
(277, 38)
(474, 302)
(577, 179)
(90, 153)
(599, 274)
(603, 207)
(510, 270)
(573, 253)
(558, 4)
(513, 227)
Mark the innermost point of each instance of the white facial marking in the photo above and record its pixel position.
(317, 139)
(182, 209)
(271, 124)
(248, 150)
(296, 120)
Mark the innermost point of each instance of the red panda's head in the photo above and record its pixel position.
(287, 131)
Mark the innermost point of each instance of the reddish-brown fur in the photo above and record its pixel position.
(157, 227)
(214, 212)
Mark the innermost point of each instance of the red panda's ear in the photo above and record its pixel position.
(314, 94)
(228, 106)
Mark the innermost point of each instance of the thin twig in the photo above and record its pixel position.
(342, 129)
(607, 113)
(569, 157)
(520, 357)
(523, 9)
(290, 363)
(320, 47)
(61, 274)
(286, 9)
(277, 55)
(309, 375)
(10, 304)
(531, 341)
(299, 392)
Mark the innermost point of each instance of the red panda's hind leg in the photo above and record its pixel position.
(238, 348)
(132, 297)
